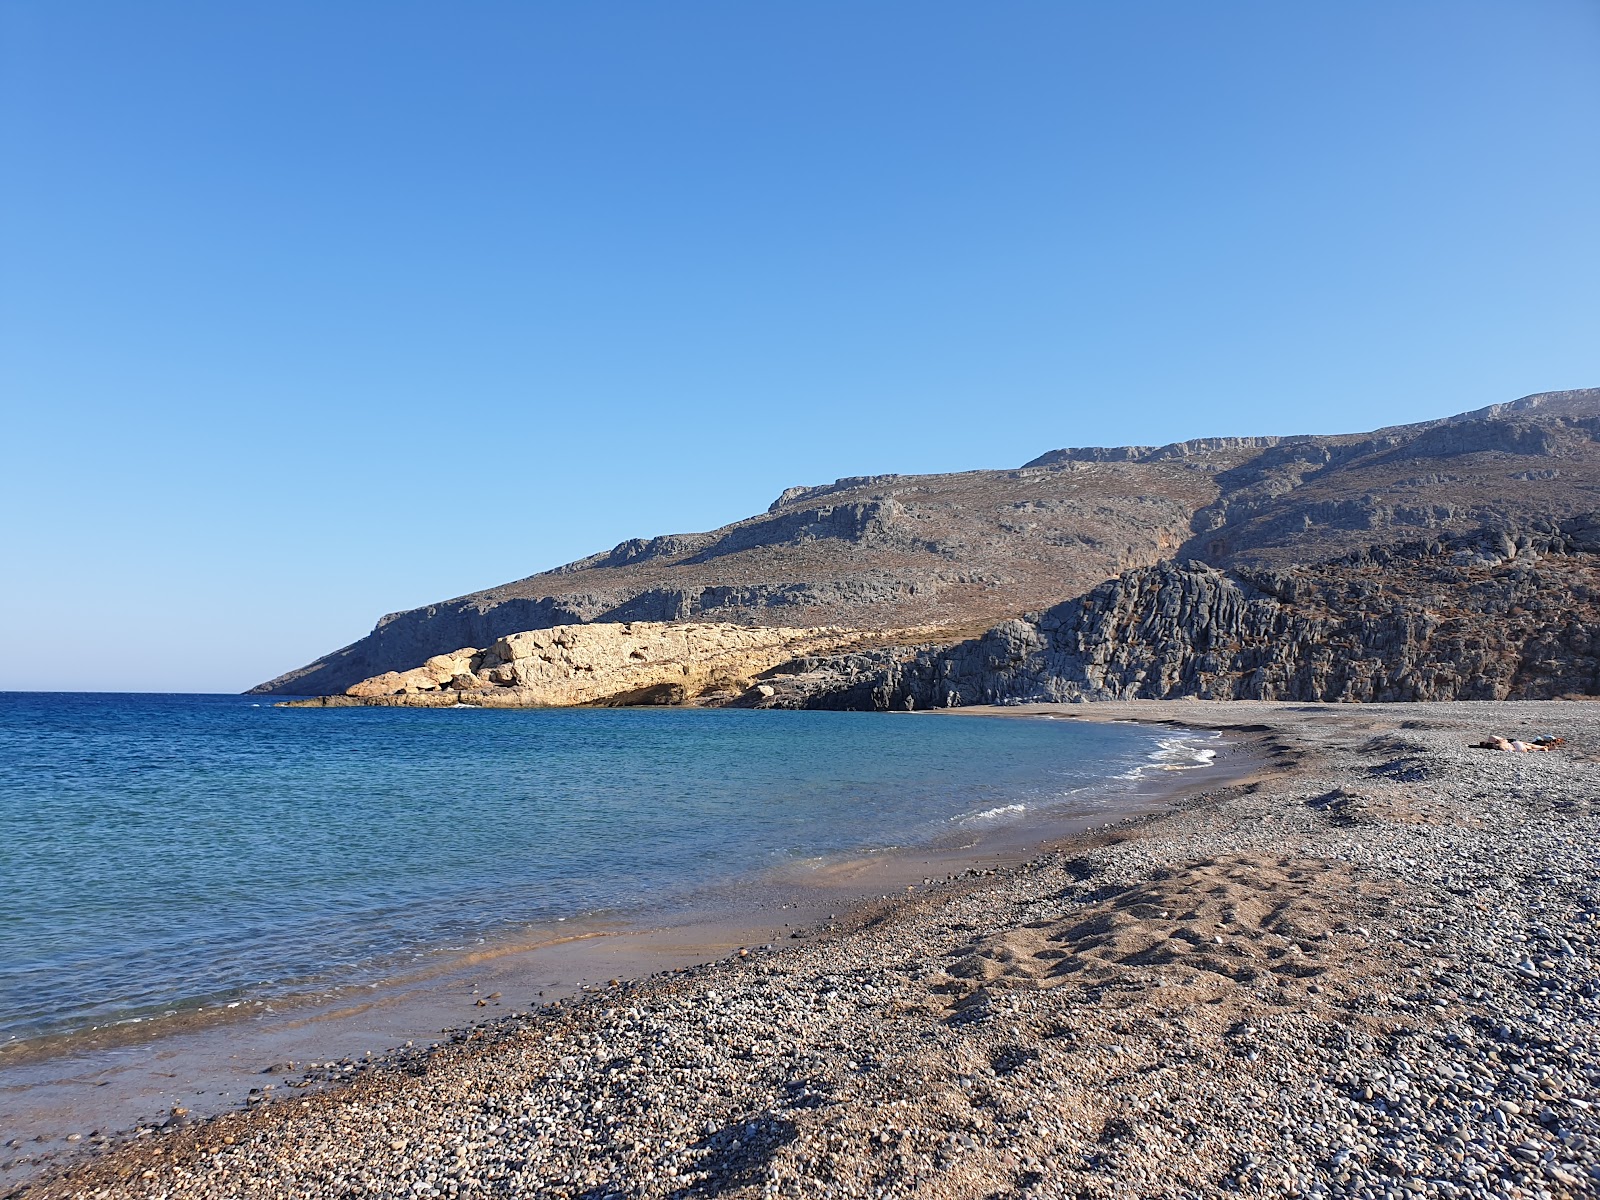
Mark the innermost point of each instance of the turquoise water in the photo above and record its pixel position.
(166, 852)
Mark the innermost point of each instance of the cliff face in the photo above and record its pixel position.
(1490, 617)
(600, 664)
(965, 551)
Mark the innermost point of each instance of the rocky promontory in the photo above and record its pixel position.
(640, 662)
(1447, 559)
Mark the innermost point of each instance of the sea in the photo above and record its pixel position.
(165, 854)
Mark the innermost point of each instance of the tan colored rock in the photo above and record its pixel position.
(639, 662)
(439, 671)
(442, 668)
(390, 683)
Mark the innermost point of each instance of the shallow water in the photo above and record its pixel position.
(168, 853)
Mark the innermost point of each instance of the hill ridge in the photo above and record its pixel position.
(965, 550)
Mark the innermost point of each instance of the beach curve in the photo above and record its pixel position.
(1368, 966)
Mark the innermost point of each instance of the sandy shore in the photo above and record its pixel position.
(64, 1099)
(1370, 970)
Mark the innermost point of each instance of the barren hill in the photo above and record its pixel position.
(966, 551)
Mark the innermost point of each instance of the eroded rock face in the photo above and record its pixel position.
(1491, 617)
(440, 671)
(609, 663)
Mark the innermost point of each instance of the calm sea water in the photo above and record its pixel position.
(166, 852)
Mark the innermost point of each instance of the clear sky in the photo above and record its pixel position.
(310, 311)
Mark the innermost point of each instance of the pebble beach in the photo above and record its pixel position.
(1367, 969)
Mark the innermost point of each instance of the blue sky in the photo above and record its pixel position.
(310, 312)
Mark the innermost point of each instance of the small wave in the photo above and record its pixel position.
(994, 814)
(1186, 753)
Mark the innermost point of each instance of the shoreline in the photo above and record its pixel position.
(114, 1084)
(1370, 968)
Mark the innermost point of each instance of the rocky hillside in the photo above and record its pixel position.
(965, 551)
(1491, 617)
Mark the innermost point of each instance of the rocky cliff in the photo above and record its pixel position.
(608, 663)
(965, 551)
(1495, 616)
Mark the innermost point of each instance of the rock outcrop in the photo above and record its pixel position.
(599, 664)
(1492, 617)
(964, 552)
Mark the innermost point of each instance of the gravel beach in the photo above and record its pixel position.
(1369, 970)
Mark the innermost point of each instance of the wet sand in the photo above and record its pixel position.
(108, 1087)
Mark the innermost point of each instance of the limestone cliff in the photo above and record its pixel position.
(1490, 617)
(600, 664)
